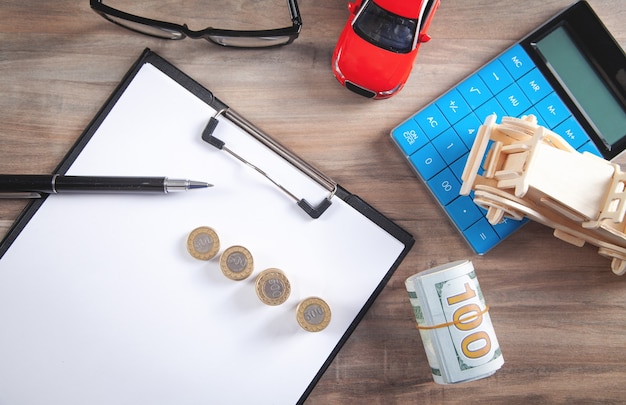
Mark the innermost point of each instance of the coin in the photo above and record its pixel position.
(313, 314)
(272, 287)
(203, 243)
(236, 263)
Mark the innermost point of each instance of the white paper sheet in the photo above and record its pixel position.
(100, 303)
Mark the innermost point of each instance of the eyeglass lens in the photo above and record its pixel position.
(249, 42)
(159, 32)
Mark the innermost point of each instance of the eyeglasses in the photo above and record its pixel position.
(224, 37)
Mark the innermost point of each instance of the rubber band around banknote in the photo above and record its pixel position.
(460, 320)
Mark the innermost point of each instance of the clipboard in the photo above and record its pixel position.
(101, 303)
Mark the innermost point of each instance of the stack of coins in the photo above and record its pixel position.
(313, 314)
(272, 287)
(203, 243)
(236, 263)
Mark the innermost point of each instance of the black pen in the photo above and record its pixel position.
(33, 185)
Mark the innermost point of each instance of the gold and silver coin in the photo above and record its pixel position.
(313, 314)
(203, 243)
(236, 263)
(272, 287)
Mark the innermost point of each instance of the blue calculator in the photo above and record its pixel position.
(570, 73)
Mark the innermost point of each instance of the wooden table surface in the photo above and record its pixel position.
(558, 310)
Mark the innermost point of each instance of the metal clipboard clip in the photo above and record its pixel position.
(323, 180)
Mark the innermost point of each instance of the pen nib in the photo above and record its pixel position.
(184, 185)
(198, 184)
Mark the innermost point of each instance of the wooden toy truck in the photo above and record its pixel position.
(520, 169)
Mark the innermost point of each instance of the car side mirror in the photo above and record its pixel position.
(424, 38)
(353, 7)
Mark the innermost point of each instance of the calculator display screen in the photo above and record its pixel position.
(586, 88)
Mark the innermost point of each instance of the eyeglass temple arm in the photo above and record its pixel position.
(295, 12)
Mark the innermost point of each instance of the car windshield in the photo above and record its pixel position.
(384, 29)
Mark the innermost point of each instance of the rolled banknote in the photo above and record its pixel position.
(454, 323)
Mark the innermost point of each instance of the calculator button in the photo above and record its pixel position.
(474, 91)
(535, 86)
(513, 100)
(445, 186)
(427, 161)
(449, 146)
(572, 132)
(410, 137)
(591, 148)
(552, 110)
(490, 107)
(458, 166)
(463, 212)
(495, 76)
(540, 120)
(507, 226)
(481, 236)
(432, 121)
(467, 129)
(517, 61)
(453, 106)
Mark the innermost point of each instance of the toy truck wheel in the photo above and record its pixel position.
(497, 206)
(618, 264)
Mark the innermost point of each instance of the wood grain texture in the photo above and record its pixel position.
(558, 311)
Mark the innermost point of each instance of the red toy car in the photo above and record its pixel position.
(378, 45)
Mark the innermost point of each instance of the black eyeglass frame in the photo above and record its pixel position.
(183, 31)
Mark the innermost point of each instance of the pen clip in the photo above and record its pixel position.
(20, 195)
